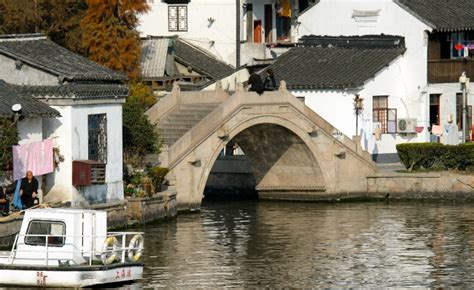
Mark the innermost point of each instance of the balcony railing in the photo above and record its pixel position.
(449, 70)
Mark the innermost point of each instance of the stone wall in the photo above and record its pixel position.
(9, 227)
(442, 185)
(116, 214)
(148, 209)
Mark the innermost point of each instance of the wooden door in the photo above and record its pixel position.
(257, 31)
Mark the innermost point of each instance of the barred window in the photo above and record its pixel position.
(177, 18)
(97, 125)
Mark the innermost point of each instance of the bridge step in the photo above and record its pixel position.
(181, 120)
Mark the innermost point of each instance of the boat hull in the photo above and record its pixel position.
(73, 276)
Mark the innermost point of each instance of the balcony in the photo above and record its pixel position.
(449, 70)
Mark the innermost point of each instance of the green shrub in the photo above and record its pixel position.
(157, 175)
(436, 156)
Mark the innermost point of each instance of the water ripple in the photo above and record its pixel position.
(264, 244)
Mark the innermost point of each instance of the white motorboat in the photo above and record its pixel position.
(71, 248)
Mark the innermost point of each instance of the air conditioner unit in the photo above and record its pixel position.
(406, 125)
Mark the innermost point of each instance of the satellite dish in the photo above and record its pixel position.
(16, 108)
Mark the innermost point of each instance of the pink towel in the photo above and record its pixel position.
(36, 156)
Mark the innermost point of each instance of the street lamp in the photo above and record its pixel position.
(358, 108)
(464, 81)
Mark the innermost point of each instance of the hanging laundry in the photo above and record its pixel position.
(36, 156)
(458, 46)
(16, 196)
(452, 134)
(285, 8)
(437, 130)
(419, 129)
(377, 133)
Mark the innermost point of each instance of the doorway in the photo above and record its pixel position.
(268, 23)
(249, 19)
(257, 31)
(434, 109)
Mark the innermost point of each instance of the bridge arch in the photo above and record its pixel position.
(312, 159)
(281, 154)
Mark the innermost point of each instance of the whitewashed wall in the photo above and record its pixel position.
(200, 31)
(30, 130)
(73, 144)
(405, 81)
(334, 17)
(59, 183)
(447, 100)
(114, 168)
(337, 107)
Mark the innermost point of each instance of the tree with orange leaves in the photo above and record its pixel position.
(110, 36)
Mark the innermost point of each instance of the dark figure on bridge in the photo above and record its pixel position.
(255, 83)
(270, 83)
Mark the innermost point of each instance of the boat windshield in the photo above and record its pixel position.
(39, 230)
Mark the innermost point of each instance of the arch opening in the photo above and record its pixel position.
(276, 163)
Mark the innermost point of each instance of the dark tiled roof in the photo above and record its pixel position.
(38, 51)
(78, 91)
(12, 94)
(200, 61)
(442, 15)
(360, 41)
(309, 67)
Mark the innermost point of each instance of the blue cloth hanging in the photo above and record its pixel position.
(16, 197)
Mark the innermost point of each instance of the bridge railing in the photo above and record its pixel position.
(241, 99)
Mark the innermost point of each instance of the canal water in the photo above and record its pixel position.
(280, 244)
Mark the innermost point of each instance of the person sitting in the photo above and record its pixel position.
(269, 83)
(255, 83)
(29, 190)
(4, 202)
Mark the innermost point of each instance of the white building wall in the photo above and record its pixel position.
(70, 133)
(114, 167)
(59, 183)
(405, 81)
(447, 100)
(337, 107)
(30, 130)
(219, 38)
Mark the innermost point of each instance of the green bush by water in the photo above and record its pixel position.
(436, 156)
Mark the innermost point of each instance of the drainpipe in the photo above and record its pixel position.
(237, 33)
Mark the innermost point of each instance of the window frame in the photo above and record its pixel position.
(178, 18)
(97, 135)
(384, 115)
(43, 244)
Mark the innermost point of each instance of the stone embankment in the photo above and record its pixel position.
(433, 185)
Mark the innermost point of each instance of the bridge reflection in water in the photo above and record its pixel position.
(281, 244)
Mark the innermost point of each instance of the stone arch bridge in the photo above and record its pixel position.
(293, 153)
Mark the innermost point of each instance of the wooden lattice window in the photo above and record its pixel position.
(177, 18)
(97, 125)
(383, 116)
